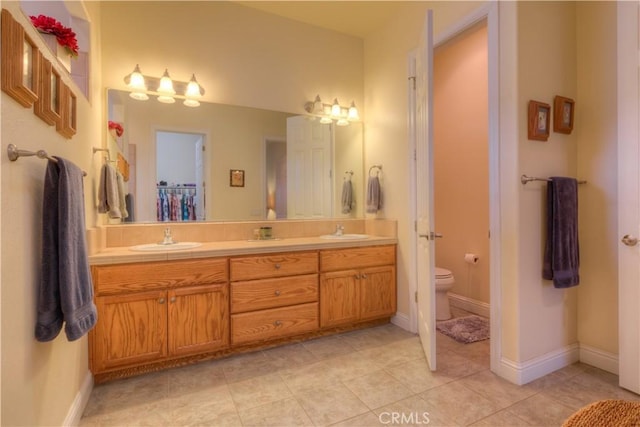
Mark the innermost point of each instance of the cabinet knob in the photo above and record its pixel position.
(173, 299)
(277, 266)
(357, 276)
(161, 300)
(364, 276)
(277, 323)
(277, 292)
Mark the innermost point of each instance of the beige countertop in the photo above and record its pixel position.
(120, 255)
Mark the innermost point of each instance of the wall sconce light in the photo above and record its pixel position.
(166, 89)
(330, 112)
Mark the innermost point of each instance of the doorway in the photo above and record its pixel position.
(179, 176)
(461, 168)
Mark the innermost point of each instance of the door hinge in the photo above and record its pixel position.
(415, 296)
(413, 81)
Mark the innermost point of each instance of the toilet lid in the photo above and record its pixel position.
(442, 273)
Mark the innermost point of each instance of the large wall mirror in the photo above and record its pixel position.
(291, 165)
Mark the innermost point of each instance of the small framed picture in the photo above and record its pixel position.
(19, 62)
(66, 126)
(539, 120)
(47, 106)
(236, 178)
(563, 109)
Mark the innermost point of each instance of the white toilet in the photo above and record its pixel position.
(444, 282)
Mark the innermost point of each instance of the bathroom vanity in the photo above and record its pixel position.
(232, 297)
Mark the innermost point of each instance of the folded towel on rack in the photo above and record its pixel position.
(122, 203)
(374, 195)
(108, 201)
(347, 196)
(562, 254)
(66, 291)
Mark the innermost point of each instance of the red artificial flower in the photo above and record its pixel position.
(117, 127)
(65, 36)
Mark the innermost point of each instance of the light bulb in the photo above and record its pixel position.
(353, 112)
(166, 84)
(136, 80)
(342, 122)
(166, 99)
(335, 108)
(140, 96)
(191, 103)
(193, 88)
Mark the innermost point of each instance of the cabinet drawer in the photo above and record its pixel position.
(114, 279)
(276, 265)
(342, 259)
(270, 293)
(274, 323)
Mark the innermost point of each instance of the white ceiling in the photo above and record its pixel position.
(355, 18)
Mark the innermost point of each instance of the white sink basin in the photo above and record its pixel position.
(344, 236)
(158, 247)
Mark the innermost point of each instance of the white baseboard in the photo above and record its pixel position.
(80, 402)
(402, 320)
(599, 358)
(471, 305)
(525, 372)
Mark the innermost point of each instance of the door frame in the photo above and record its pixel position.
(488, 12)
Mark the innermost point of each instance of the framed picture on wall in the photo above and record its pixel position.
(19, 62)
(47, 106)
(563, 109)
(236, 178)
(66, 126)
(539, 120)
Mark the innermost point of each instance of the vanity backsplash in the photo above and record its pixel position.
(111, 236)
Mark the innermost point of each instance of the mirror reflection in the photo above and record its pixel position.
(229, 163)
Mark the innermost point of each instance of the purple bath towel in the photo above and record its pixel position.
(66, 290)
(562, 254)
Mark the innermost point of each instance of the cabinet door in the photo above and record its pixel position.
(377, 292)
(198, 319)
(131, 329)
(339, 298)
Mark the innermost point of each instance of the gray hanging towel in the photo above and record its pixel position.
(108, 200)
(562, 255)
(66, 290)
(347, 196)
(374, 195)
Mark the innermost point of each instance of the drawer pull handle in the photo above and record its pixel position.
(277, 266)
(161, 300)
(277, 292)
(277, 323)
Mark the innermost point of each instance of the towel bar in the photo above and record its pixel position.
(14, 154)
(379, 167)
(524, 179)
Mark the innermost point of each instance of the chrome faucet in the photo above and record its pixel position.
(168, 239)
(339, 230)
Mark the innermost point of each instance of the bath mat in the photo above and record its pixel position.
(619, 413)
(465, 329)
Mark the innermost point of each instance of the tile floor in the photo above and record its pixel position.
(371, 377)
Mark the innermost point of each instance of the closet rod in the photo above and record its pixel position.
(14, 154)
(524, 179)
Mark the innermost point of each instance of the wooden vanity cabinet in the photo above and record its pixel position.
(150, 312)
(273, 296)
(357, 284)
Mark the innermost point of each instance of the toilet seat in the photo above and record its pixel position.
(443, 273)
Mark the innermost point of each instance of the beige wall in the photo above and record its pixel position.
(546, 67)
(240, 55)
(596, 112)
(461, 160)
(39, 380)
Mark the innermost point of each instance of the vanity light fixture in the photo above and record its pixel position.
(328, 113)
(166, 89)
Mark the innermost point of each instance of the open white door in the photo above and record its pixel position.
(629, 195)
(425, 261)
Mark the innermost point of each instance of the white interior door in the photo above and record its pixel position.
(629, 195)
(425, 259)
(309, 160)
